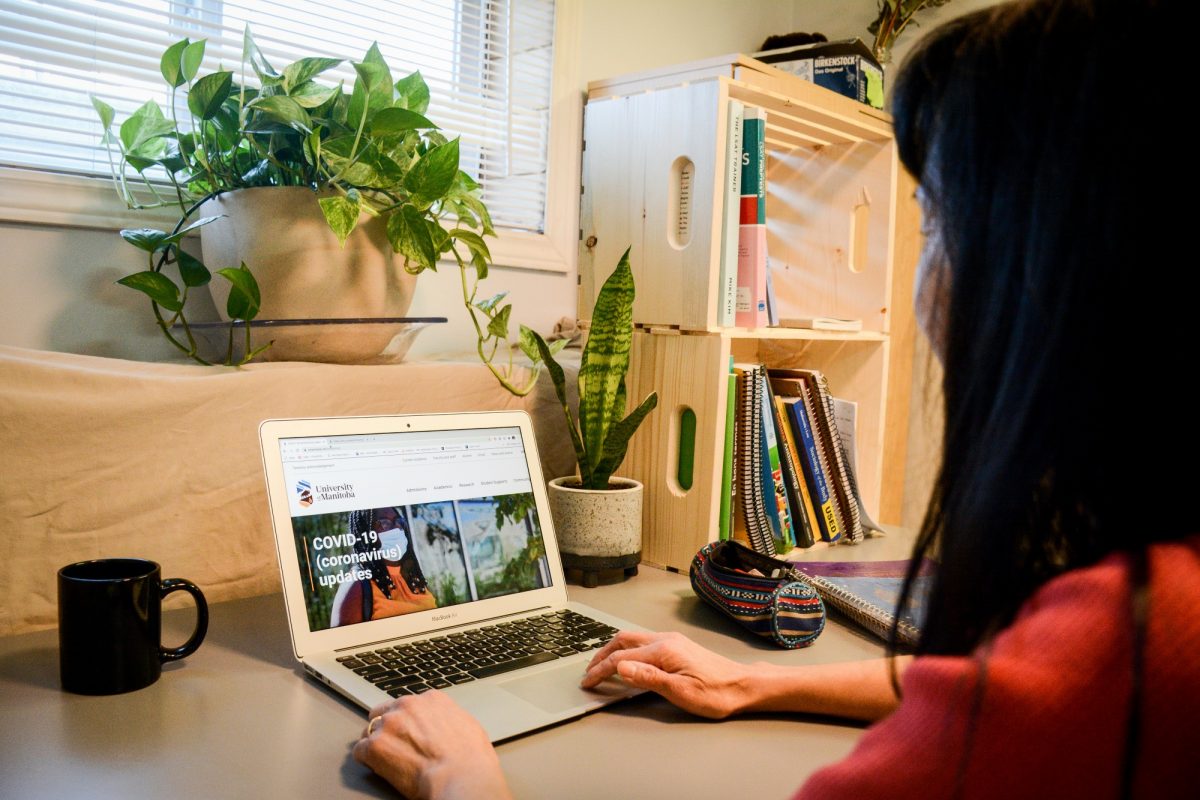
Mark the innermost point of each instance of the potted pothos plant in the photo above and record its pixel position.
(273, 160)
(598, 517)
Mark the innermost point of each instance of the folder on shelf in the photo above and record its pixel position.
(748, 469)
(813, 460)
(774, 490)
(859, 523)
(804, 520)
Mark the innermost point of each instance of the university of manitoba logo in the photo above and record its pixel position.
(304, 489)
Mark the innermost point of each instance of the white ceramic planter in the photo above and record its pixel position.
(598, 524)
(304, 272)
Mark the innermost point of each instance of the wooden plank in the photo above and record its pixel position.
(906, 251)
(819, 203)
(687, 372)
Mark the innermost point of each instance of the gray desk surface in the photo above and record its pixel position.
(238, 719)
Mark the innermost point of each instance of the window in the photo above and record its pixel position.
(489, 65)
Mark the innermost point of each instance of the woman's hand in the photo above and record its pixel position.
(429, 748)
(695, 679)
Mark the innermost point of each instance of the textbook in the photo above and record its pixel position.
(867, 592)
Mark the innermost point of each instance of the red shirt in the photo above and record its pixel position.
(1051, 720)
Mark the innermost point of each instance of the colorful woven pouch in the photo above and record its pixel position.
(774, 604)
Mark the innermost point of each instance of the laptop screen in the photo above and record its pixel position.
(394, 523)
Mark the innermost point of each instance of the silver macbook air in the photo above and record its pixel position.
(417, 553)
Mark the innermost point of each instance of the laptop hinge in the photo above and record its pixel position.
(438, 631)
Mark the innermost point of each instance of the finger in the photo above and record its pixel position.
(622, 641)
(641, 675)
(383, 708)
(608, 666)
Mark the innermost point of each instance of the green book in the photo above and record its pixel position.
(726, 521)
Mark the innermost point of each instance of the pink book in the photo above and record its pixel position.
(751, 309)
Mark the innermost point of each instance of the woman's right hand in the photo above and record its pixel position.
(695, 679)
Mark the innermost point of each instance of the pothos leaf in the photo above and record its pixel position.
(342, 215)
(156, 286)
(244, 298)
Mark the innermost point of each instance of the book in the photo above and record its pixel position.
(814, 474)
(804, 521)
(748, 469)
(772, 306)
(822, 323)
(725, 523)
(845, 486)
(778, 510)
(731, 215)
(751, 309)
(868, 591)
(845, 413)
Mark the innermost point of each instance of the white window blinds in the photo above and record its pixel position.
(487, 62)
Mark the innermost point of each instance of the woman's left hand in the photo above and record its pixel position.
(429, 748)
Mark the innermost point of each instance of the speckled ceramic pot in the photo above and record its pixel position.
(596, 523)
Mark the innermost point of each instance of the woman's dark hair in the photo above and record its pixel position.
(1042, 134)
(410, 568)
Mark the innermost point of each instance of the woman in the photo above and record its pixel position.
(396, 585)
(1061, 653)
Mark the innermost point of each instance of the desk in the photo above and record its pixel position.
(237, 719)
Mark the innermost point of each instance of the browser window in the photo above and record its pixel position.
(389, 524)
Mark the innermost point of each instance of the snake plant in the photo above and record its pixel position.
(603, 431)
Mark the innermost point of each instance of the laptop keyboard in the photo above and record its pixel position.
(444, 661)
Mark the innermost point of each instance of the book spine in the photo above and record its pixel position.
(792, 481)
(725, 524)
(752, 232)
(731, 215)
(847, 488)
(830, 531)
(825, 458)
(773, 488)
(749, 420)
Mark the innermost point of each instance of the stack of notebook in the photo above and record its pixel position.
(792, 475)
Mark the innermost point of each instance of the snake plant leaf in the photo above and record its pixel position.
(412, 93)
(208, 93)
(342, 215)
(433, 175)
(300, 72)
(170, 64)
(191, 269)
(156, 286)
(606, 356)
(244, 298)
(617, 443)
(560, 388)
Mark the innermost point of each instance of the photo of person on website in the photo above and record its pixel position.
(396, 584)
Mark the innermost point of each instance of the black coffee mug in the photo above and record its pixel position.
(110, 624)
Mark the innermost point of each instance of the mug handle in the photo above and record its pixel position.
(187, 648)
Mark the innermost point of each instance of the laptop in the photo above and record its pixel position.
(417, 552)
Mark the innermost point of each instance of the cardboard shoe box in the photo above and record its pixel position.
(846, 67)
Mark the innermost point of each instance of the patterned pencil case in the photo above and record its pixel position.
(765, 595)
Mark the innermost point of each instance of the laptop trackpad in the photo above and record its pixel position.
(558, 690)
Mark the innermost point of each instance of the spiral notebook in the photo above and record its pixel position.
(868, 591)
(749, 432)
